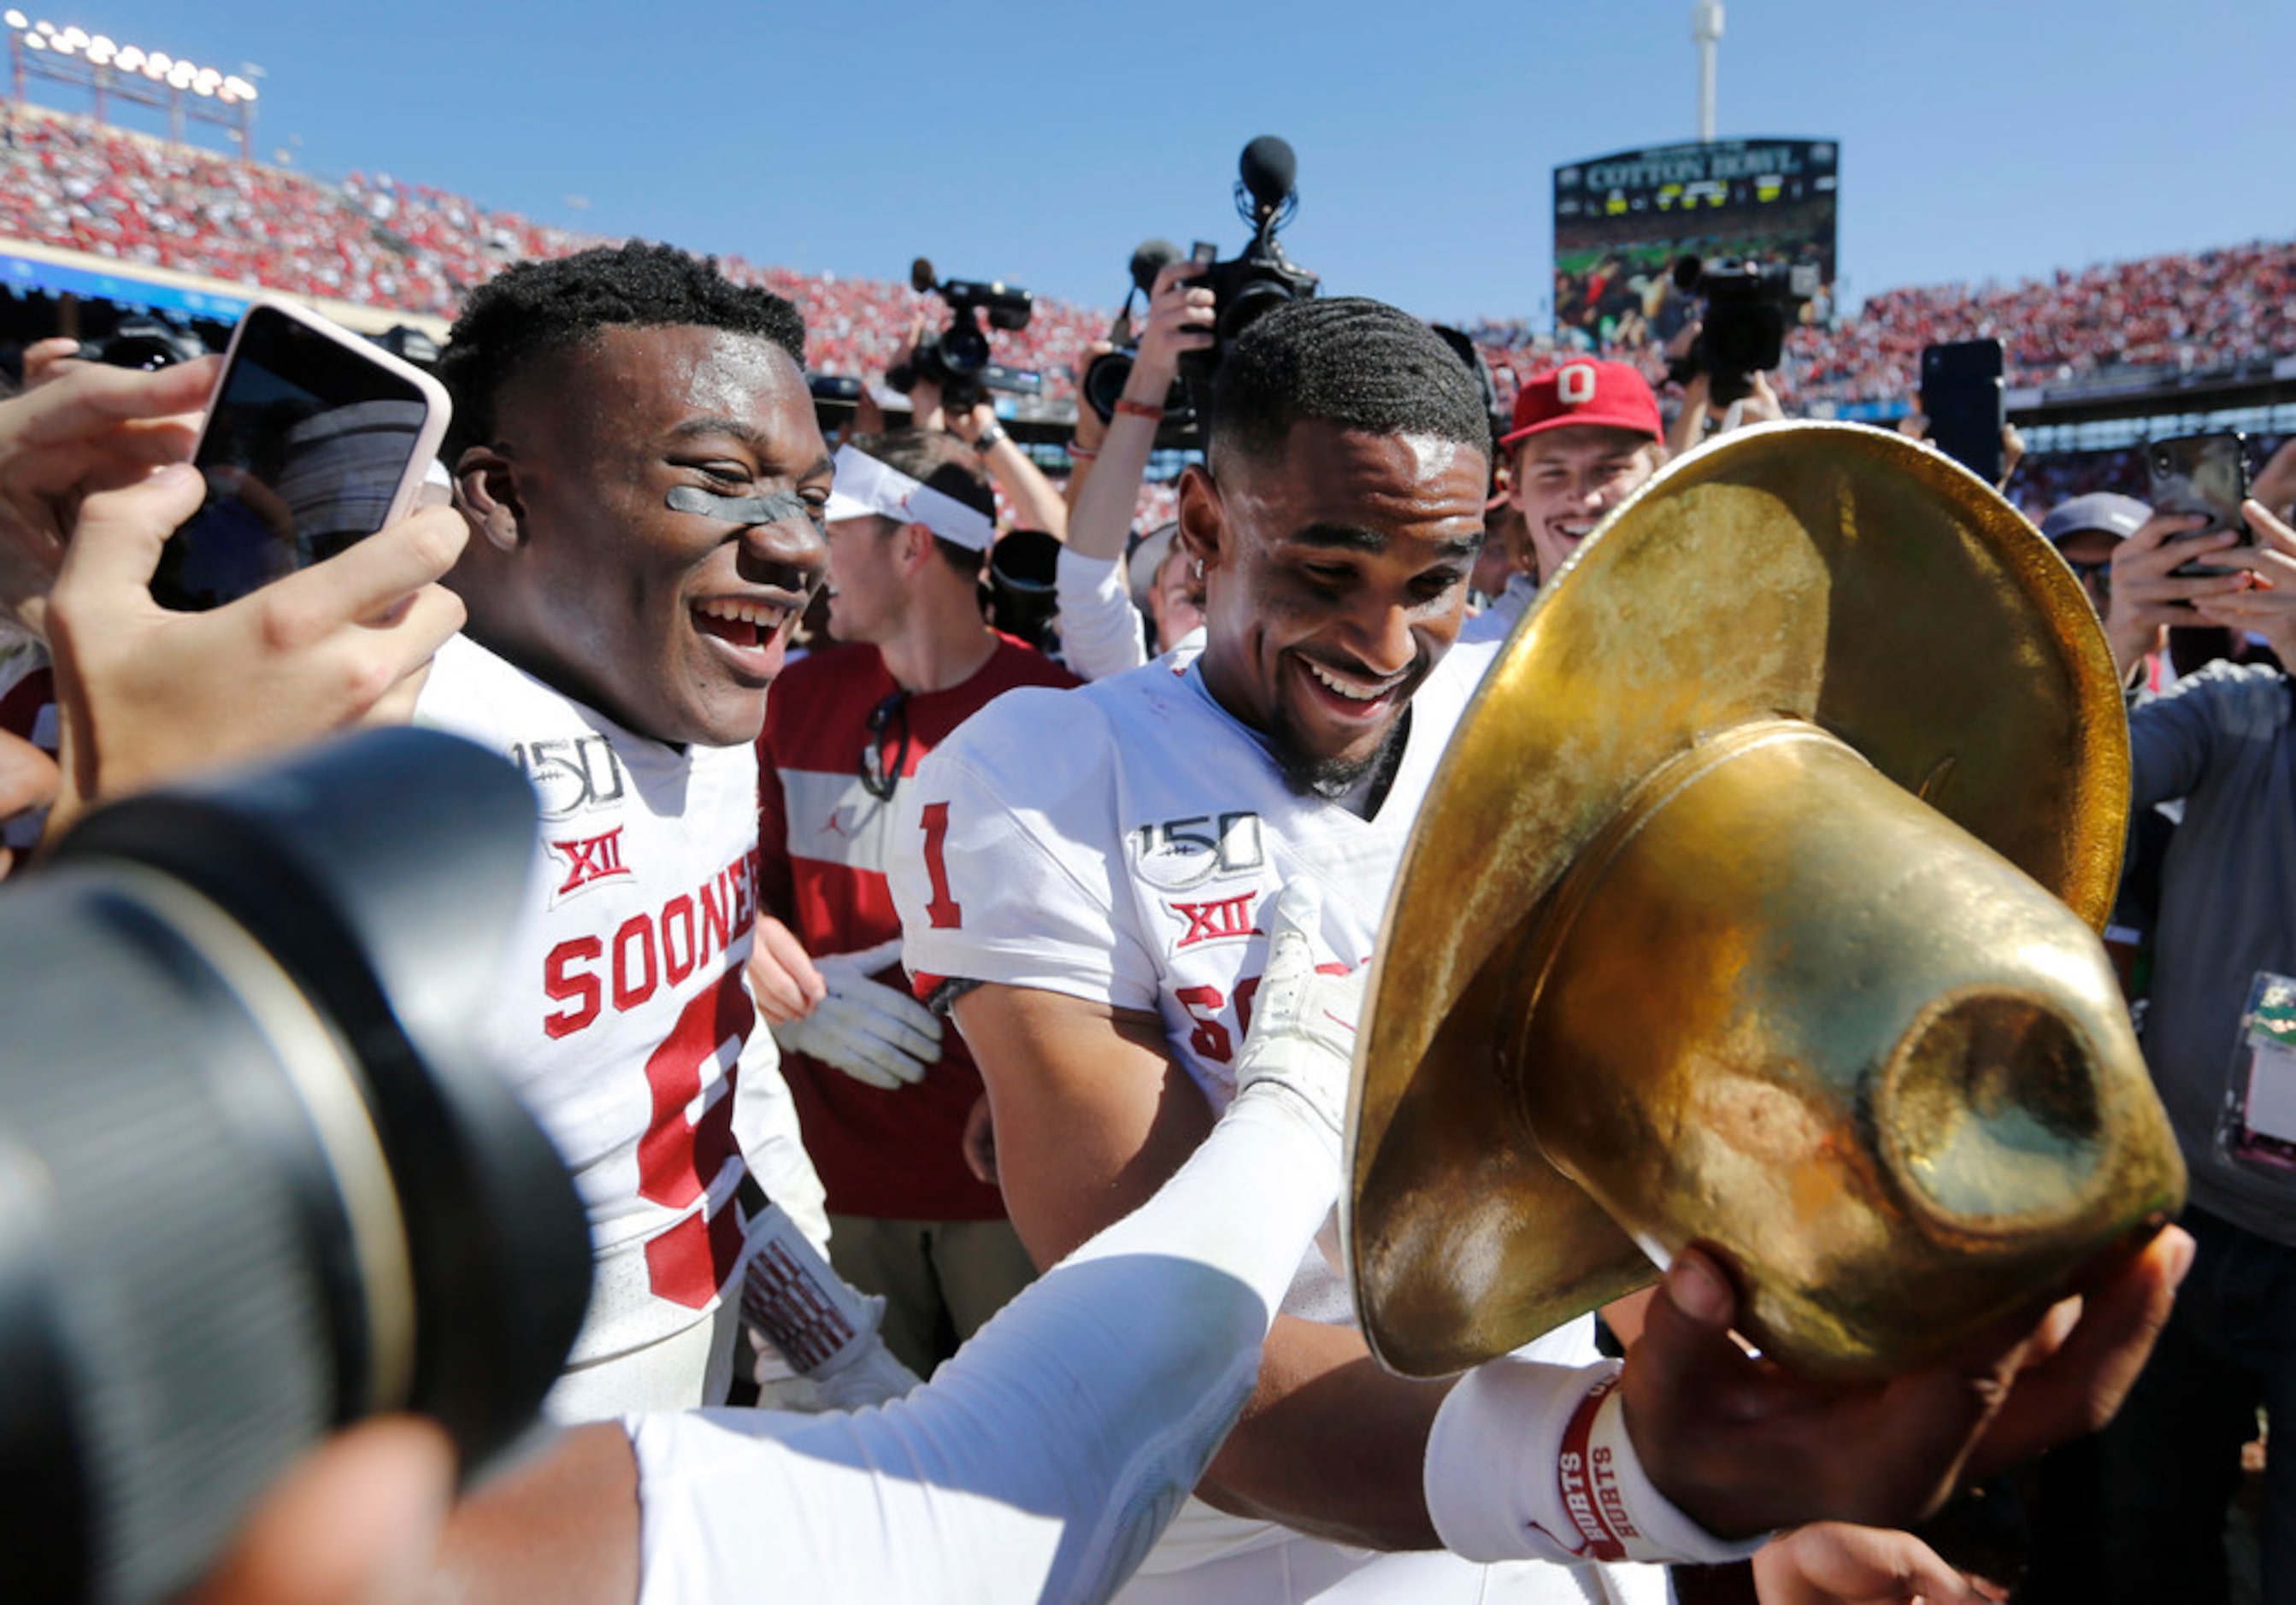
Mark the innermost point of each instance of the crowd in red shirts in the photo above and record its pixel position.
(381, 240)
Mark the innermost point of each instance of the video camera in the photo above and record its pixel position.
(258, 1180)
(1749, 305)
(1106, 375)
(1257, 281)
(956, 359)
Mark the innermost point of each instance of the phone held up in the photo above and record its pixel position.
(2204, 474)
(1963, 397)
(314, 440)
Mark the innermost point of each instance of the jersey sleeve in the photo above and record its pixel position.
(1101, 633)
(1004, 864)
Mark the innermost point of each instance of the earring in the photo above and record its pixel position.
(1196, 570)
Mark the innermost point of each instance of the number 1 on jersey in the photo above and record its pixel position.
(943, 911)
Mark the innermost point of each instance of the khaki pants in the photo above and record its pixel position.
(940, 1280)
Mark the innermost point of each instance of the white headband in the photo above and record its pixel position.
(864, 486)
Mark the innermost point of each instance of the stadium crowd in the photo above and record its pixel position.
(860, 984)
(379, 241)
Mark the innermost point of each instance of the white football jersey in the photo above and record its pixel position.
(623, 1020)
(1119, 843)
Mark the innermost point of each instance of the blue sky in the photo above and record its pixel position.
(1039, 142)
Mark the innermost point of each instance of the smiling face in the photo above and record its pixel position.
(1335, 576)
(674, 623)
(864, 600)
(1565, 480)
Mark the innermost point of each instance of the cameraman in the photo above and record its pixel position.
(1100, 626)
(2223, 743)
(1035, 501)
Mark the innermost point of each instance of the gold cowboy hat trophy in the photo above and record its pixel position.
(1747, 909)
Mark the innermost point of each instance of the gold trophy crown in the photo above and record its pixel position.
(1752, 907)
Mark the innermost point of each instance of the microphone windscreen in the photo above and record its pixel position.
(1151, 258)
(1269, 169)
(922, 277)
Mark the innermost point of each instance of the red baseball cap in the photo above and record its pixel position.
(1586, 391)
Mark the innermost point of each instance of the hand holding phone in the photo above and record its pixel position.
(314, 440)
(1962, 396)
(2200, 474)
(144, 693)
(85, 428)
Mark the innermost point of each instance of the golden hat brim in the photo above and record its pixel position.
(1829, 572)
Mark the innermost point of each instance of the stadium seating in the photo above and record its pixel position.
(67, 182)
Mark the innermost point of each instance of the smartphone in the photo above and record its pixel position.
(1961, 395)
(314, 440)
(2206, 474)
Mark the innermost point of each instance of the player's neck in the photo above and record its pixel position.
(941, 643)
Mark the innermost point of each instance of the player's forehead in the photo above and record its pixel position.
(1576, 444)
(1329, 476)
(668, 383)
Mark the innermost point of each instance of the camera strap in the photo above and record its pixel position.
(778, 508)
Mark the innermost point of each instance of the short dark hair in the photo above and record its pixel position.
(1360, 364)
(939, 461)
(533, 309)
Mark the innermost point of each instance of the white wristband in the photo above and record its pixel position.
(1529, 1462)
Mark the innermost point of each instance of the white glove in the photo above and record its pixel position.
(802, 1313)
(1303, 1041)
(876, 1033)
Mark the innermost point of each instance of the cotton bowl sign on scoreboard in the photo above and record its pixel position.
(1622, 221)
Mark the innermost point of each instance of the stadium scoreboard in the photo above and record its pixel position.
(1622, 221)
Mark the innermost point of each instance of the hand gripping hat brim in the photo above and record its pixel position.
(1888, 704)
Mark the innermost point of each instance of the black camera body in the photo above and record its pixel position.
(1247, 287)
(1256, 282)
(1749, 307)
(956, 359)
(147, 344)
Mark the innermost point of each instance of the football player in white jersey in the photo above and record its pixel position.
(634, 447)
(1085, 890)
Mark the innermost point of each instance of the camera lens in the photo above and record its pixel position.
(964, 350)
(1105, 378)
(256, 1181)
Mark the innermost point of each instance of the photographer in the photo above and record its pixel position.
(1100, 626)
(2223, 740)
(1035, 501)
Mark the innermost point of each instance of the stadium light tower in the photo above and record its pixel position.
(1706, 33)
(109, 70)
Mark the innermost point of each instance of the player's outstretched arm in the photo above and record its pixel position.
(1093, 1399)
(1091, 1115)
